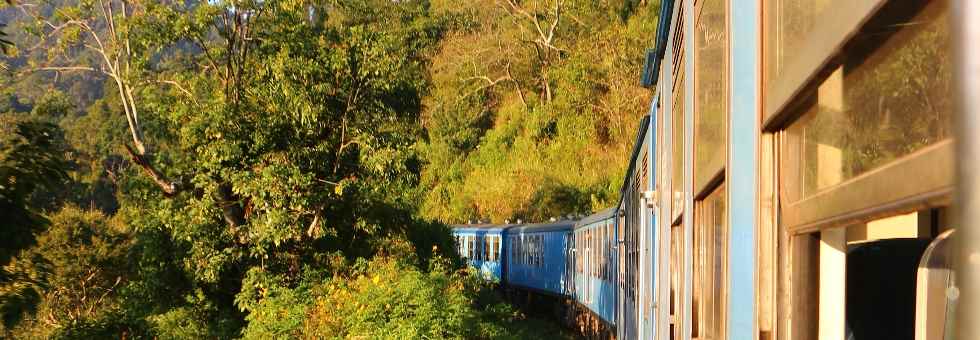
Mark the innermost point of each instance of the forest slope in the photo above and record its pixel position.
(533, 108)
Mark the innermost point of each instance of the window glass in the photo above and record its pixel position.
(711, 90)
(711, 248)
(888, 98)
(612, 246)
(540, 250)
(588, 252)
(677, 143)
(790, 22)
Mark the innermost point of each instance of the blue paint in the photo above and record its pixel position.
(743, 143)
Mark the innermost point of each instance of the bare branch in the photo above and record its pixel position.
(60, 69)
(169, 188)
(176, 85)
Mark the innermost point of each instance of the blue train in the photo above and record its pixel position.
(565, 259)
(794, 178)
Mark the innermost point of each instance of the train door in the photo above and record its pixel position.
(628, 316)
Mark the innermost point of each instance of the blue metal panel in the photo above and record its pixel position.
(743, 159)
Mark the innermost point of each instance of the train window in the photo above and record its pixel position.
(801, 36)
(496, 248)
(602, 252)
(575, 250)
(491, 247)
(522, 259)
(596, 241)
(580, 243)
(591, 252)
(677, 143)
(541, 251)
(535, 248)
(611, 230)
(883, 113)
(588, 252)
(601, 233)
(481, 248)
(531, 250)
(676, 261)
(711, 90)
(791, 21)
(581, 252)
(524, 247)
(513, 249)
(605, 251)
(709, 290)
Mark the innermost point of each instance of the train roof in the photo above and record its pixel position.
(599, 216)
(563, 225)
(485, 227)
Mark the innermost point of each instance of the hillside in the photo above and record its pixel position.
(225, 169)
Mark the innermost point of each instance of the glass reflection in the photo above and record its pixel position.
(711, 244)
(677, 164)
(887, 99)
(711, 91)
(790, 22)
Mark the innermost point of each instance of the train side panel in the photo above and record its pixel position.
(536, 257)
(595, 264)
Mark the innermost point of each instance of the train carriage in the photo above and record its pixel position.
(538, 258)
(594, 258)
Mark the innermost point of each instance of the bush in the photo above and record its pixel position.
(386, 298)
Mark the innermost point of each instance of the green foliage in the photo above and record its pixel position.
(76, 271)
(385, 298)
(53, 104)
